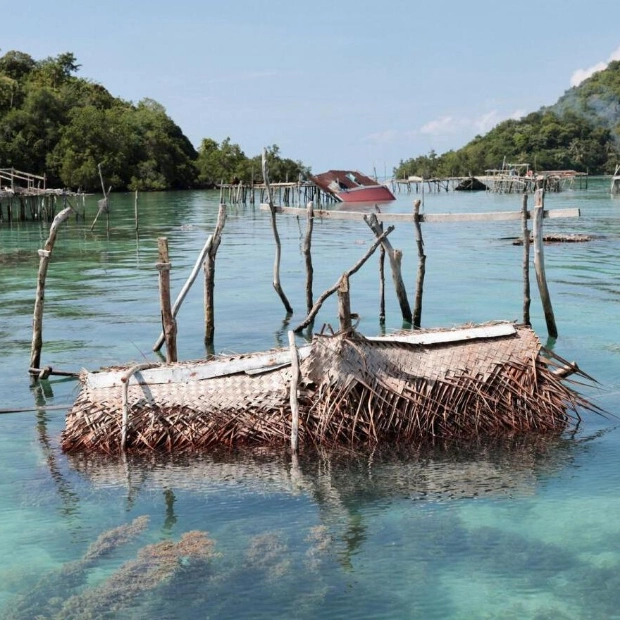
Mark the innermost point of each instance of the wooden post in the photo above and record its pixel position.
(526, 263)
(382, 284)
(293, 393)
(381, 279)
(135, 209)
(276, 264)
(168, 321)
(395, 258)
(308, 256)
(333, 289)
(209, 267)
(190, 280)
(344, 303)
(37, 320)
(419, 285)
(539, 263)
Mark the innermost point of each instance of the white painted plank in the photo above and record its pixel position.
(199, 371)
(497, 216)
(455, 335)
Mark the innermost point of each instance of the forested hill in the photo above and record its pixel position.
(55, 123)
(580, 132)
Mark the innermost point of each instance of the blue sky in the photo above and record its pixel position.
(336, 84)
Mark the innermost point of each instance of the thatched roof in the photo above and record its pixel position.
(489, 380)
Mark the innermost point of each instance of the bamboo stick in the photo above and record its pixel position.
(168, 320)
(37, 320)
(539, 264)
(276, 264)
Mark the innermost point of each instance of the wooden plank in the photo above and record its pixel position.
(497, 216)
(454, 335)
(199, 371)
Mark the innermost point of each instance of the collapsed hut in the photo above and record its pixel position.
(487, 380)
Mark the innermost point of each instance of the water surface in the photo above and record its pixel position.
(516, 529)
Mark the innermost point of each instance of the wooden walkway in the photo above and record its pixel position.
(290, 194)
(25, 197)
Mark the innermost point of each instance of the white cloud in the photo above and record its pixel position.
(583, 74)
(441, 126)
(481, 124)
(487, 121)
(382, 137)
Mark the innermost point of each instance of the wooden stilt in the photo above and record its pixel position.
(344, 303)
(333, 289)
(526, 263)
(308, 256)
(395, 258)
(168, 320)
(293, 393)
(209, 267)
(135, 208)
(37, 321)
(419, 285)
(276, 265)
(188, 284)
(539, 263)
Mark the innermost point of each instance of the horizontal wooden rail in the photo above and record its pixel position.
(498, 216)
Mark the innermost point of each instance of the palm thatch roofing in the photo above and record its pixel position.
(489, 380)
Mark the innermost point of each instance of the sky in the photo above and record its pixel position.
(334, 83)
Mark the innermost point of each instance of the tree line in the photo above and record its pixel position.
(55, 123)
(580, 132)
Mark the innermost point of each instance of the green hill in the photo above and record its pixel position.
(581, 131)
(56, 124)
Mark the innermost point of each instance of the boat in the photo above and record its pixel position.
(471, 184)
(352, 186)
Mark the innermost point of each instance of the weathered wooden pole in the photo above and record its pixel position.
(395, 258)
(168, 321)
(135, 209)
(382, 284)
(539, 263)
(209, 268)
(419, 284)
(293, 392)
(276, 264)
(330, 291)
(37, 320)
(307, 247)
(190, 280)
(526, 263)
(381, 278)
(344, 303)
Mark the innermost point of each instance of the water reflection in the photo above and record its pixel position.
(341, 478)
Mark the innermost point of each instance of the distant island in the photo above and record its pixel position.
(56, 124)
(581, 132)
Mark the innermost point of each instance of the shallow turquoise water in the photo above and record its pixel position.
(522, 529)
